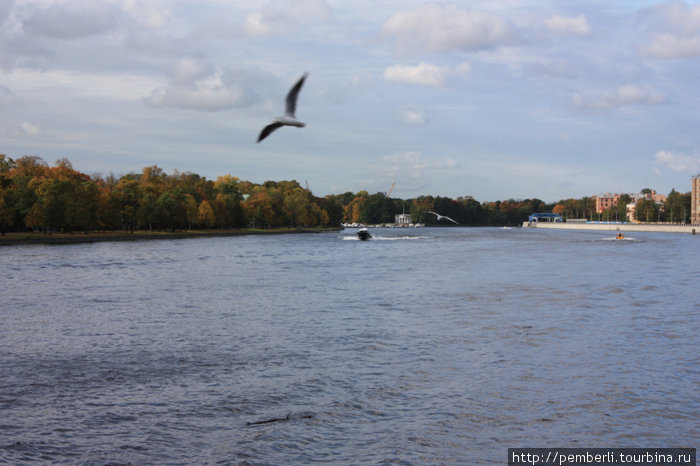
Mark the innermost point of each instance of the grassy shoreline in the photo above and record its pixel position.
(66, 238)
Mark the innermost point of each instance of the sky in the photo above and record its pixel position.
(504, 99)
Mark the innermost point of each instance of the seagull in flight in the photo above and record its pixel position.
(288, 119)
(440, 217)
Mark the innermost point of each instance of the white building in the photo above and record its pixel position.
(402, 219)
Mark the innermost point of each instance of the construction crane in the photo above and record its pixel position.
(388, 194)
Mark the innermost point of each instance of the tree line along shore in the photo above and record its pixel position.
(36, 198)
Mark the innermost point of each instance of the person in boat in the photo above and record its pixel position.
(620, 236)
(363, 234)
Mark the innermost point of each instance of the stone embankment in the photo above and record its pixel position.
(654, 227)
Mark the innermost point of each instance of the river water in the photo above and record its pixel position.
(420, 346)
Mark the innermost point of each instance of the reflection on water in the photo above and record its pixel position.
(426, 346)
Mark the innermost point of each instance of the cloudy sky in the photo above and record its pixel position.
(500, 99)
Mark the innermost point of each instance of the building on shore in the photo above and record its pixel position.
(659, 199)
(695, 200)
(653, 196)
(546, 217)
(604, 201)
(402, 219)
(631, 209)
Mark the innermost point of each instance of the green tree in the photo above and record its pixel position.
(420, 208)
(298, 205)
(147, 212)
(190, 209)
(108, 210)
(646, 210)
(7, 212)
(676, 207)
(6, 164)
(334, 210)
(473, 213)
(54, 199)
(377, 208)
(172, 208)
(621, 208)
(25, 178)
(587, 206)
(128, 193)
(83, 206)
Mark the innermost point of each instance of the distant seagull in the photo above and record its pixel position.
(288, 119)
(440, 217)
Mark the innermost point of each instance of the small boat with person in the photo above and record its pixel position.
(363, 234)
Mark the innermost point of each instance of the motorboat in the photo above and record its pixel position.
(363, 234)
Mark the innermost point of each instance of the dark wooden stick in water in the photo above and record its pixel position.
(280, 419)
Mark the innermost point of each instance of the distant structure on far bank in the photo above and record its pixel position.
(402, 219)
(695, 200)
(607, 200)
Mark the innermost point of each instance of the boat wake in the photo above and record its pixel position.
(619, 239)
(384, 238)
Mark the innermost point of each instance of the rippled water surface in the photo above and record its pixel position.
(421, 346)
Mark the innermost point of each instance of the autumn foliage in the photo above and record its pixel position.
(36, 196)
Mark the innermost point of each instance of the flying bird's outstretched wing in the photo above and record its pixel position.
(268, 129)
(440, 217)
(288, 119)
(292, 97)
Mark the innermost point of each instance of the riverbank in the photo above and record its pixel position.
(64, 238)
(652, 227)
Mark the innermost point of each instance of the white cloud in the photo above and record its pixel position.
(412, 116)
(30, 129)
(255, 25)
(441, 28)
(670, 46)
(198, 86)
(424, 74)
(562, 25)
(673, 30)
(281, 15)
(678, 161)
(146, 13)
(27, 83)
(673, 16)
(626, 95)
(23, 130)
(188, 70)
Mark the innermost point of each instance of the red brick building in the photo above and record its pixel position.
(605, 201)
